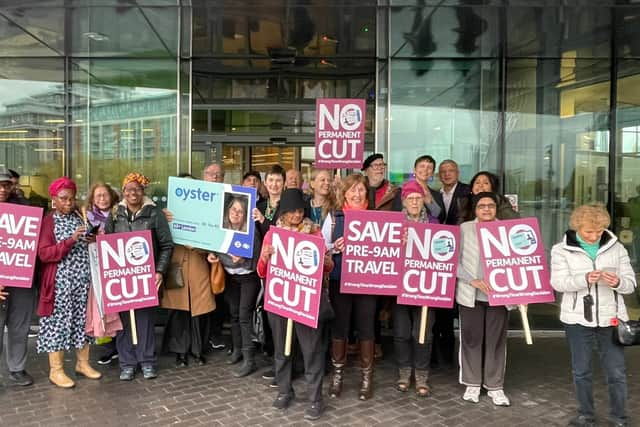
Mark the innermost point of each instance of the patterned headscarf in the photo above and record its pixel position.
(135, 177)
(62, 183)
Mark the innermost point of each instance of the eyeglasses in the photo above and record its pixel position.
(378, 165)
(416, 199)
(486, 206)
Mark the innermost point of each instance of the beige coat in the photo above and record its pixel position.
(196, 295)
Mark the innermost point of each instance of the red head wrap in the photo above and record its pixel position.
(62, 183)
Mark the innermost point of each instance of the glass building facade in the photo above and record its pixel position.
(545, 95)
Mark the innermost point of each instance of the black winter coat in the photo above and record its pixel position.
(149, 217)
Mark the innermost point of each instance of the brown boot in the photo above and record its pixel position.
(56, 370)
(339, 361)
(367, 349)
(422, 383)
(82, 364)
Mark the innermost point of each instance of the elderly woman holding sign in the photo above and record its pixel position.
(483, 328)
(291, 207)
(592, 269)
(353, 196)
(137, 212)
(64, 285)
(412, 357)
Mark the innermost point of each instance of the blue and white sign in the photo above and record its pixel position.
(212, 216)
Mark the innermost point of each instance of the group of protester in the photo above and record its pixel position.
(588, 265)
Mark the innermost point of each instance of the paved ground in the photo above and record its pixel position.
(538, 383)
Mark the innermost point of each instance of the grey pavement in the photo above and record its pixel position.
(538, 383)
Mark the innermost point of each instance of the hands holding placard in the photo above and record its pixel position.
(3, 294)
(159, 280)
(267, 251)
(482, 285)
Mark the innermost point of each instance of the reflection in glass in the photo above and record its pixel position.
(32, 123)
(627, 206)
(123, 124)
(445, 108)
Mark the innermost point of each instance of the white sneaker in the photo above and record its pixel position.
(499, 398)
(472, 394)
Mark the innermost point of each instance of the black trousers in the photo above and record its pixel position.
(143, 353)
(406, 329)
(444, 340)
(313, 352)
(241, 291)
(185, 334)
(15, 314)
(364, 313)
(217, 316)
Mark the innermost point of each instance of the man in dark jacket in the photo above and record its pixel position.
(16, 308)
(452, 191)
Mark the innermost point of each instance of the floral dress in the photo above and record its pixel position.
(65, 328)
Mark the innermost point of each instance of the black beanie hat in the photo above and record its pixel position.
(372, 158)
(476, 198)
(291, 200)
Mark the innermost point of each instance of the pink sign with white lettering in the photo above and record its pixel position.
(430, 262)
(340, 133)
(127, 271)
(513, 262)
(19, 234)
(371, 260)
(293, 284)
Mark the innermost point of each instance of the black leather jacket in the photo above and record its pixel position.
(149, 217)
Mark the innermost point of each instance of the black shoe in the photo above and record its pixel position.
(33, 332)
(618, 424)
(198, 359)
(217, 343)
(268, 375)
(273, 383)
(107, 358)
(234, 357)
(149, 372)
(582, 421)
(21, 378)
(314, 411)
(181, 360)
(127, 374)
(283, 401)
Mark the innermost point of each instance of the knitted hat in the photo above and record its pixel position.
(372, 158)
(62, 183)
(291, 200)
(410, 188)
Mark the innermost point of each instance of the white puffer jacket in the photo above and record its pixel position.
(569, 267)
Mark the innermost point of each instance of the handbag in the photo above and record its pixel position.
(174, 279)
(627, 332)
(325, 312)
(217, 278)
(257, 320)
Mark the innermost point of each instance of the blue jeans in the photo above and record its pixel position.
(582, 341)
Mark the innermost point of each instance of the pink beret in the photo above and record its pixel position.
(62, 183)
(410, 188)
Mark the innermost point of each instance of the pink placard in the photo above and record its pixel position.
(293, 284)
(127, 271)
(19, 234)
(513, 262)
(340, 133)
(371, 260)
(430, 261)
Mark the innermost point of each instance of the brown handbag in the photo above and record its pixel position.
(217, 278)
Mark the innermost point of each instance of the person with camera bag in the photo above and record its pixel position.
(593, 270)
